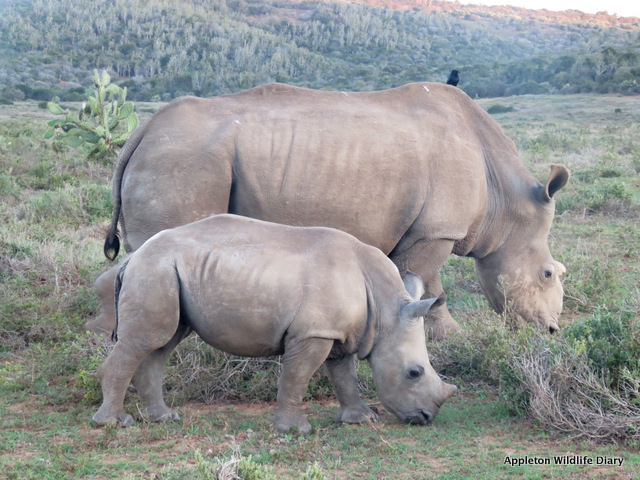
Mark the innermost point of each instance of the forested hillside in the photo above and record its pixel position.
(161, 49)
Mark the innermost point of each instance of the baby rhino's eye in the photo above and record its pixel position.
(414, 373)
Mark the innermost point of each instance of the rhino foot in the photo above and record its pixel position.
(442, 326)
(123, 419)
(98, 326)
(356, 414)
(161, 415)
(285, 422)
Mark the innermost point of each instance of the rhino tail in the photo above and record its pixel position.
(117, 288)
(112, 242)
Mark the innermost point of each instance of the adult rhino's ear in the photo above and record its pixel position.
(557, 180)
(420, 308)
(414, 286)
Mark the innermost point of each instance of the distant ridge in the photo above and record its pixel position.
(160, 50)
(503, 11)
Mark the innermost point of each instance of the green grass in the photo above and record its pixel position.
(470, 439)
(54, 208)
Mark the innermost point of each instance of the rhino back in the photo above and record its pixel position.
(367, 163)
(370, 164)
(245, 284)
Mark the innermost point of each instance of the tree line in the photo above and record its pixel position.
(160, 49)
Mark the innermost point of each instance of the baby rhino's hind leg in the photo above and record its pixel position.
(115, 374)
(148, 380)
(148, 326)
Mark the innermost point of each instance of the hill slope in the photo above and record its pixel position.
(162, 49)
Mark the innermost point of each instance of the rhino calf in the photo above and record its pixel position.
(253, 288)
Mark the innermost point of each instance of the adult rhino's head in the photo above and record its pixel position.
(406, 383)
(521, 275)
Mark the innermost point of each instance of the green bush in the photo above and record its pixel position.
(611, 341)
(199, 372)
(585, 381)
(589, 278)
(603, 170)
(47, 176)
(73, 205)
(483, 352)
(606, 195)
(497, 108)
(8, 187)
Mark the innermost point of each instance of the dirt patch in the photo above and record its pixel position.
(249, 408)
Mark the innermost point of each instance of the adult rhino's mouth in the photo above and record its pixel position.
(549, 322)
(545, 322)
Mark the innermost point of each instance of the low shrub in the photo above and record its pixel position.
(604, 195)
(482, 352)
(603, 170)
(610, 340)
(235, 467)
(497, 108)
(584, 382)
(589, 278)
(73, 205)
(199, 372)
(8, 187)
(47, 176)
(567, 395)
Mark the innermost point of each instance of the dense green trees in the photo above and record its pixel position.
(161, 49)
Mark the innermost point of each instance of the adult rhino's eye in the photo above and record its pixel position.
(414, 373)
(548, 274)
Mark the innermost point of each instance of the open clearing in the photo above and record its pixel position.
(51, 222)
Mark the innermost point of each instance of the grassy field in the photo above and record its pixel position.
(55, 205)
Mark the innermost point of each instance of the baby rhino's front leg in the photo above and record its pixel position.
(343, 378)
(299, 362)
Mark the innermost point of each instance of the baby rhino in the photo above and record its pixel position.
(252, 288)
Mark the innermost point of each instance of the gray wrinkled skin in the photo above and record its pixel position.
(252, 288)
(419, 171)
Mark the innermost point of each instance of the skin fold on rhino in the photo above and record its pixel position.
(419, 171)
(311, 294)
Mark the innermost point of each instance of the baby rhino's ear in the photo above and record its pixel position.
(414, 286)
(420, 308)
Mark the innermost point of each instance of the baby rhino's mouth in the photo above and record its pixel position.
(420, 417)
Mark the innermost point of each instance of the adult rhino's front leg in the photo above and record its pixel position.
(343, 377)
(425, 260)
(299, 362)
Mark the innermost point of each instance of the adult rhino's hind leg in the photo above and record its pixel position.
(299, 362)
(343, 377)
(104, 287)
(148, 380)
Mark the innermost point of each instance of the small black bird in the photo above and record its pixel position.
(453, 78)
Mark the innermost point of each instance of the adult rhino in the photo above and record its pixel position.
(419, 171)
(254, 288)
